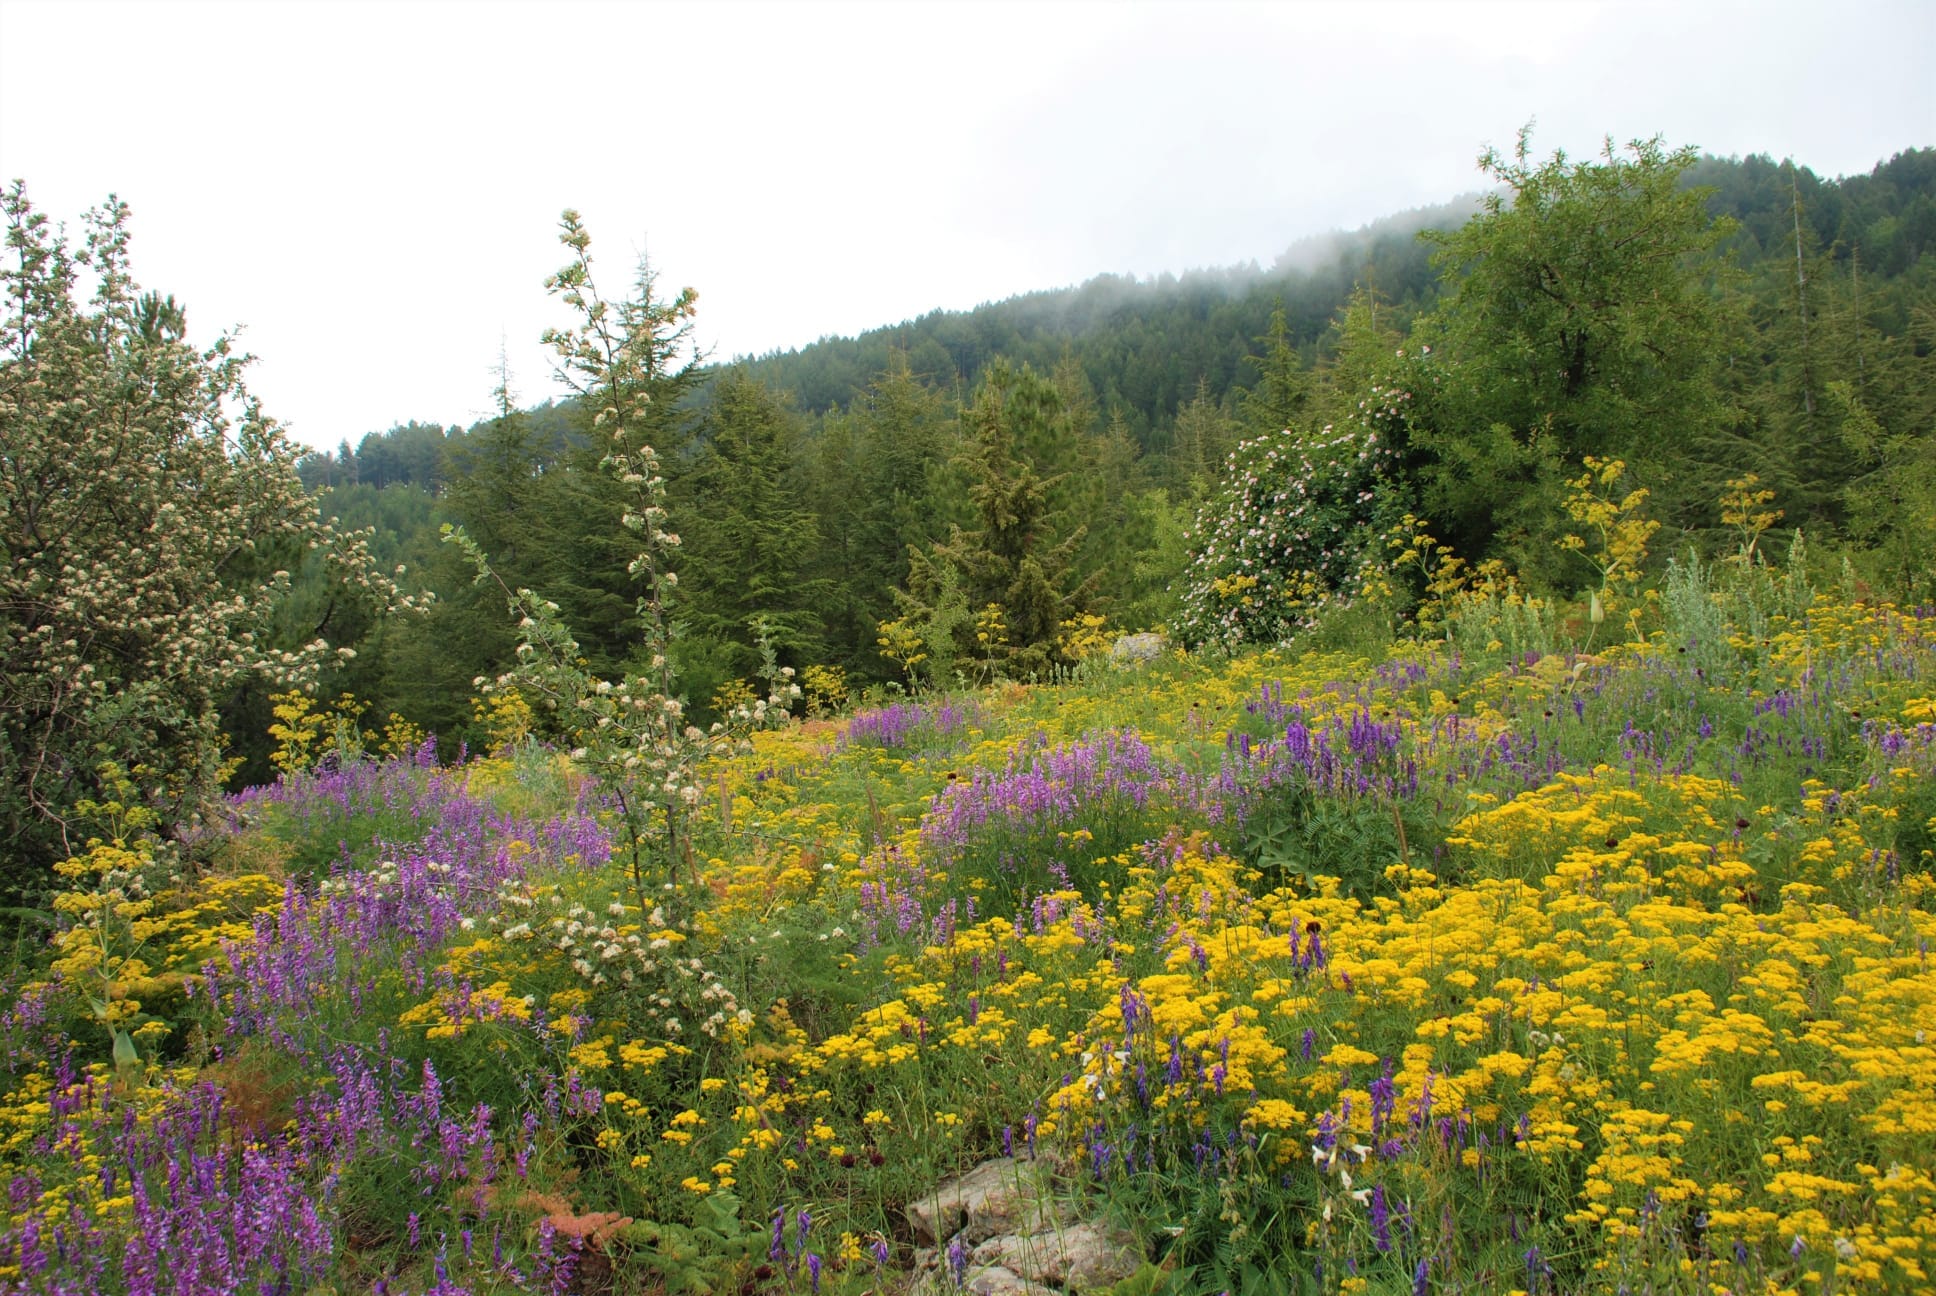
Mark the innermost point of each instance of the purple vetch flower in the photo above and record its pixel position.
(1535, 1268)
(1422, 1106)
(1380, 1219)
(1384, 1100)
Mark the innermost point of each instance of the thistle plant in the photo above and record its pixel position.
(632, 734)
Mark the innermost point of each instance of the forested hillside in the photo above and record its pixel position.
(803, 480)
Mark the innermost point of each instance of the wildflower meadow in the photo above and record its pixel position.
(1408, 964)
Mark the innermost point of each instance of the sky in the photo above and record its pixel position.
(371, 192)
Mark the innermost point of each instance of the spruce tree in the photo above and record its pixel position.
(1013, 561)
(879, 491)
(749, 543)
(1204, 436)
(502, 495)
(1282, 387)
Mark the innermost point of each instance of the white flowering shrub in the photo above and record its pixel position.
(148, 509)
(1296, 527)
(631, 734)
(639, 960)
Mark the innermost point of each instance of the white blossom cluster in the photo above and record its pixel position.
(1291, 530)
(150, 514)
(632, 734)
(642, 960)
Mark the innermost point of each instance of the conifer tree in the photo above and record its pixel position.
(749, 545)
(504, 499)
(1013, 561)
(1282, 383)
(877, 491)
(1204, 436)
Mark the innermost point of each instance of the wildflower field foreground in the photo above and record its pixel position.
(1420, 970)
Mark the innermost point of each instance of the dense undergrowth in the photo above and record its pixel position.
(1454, 966)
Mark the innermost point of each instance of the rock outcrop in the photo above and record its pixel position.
(999, 1230)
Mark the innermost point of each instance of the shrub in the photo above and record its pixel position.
(1299, 521)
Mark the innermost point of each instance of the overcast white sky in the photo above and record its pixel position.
(373, 190)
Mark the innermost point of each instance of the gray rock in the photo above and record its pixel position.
(1079, 1257)
(1006, 1195)
(982, 1280)
(1132, 648)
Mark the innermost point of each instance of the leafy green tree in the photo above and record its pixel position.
(144, 497)
(1579, 320)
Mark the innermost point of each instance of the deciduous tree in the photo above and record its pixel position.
(1580, 321)
(150, 514)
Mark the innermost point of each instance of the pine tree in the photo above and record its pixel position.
(749, 545)
(1014, 561)
(1283, 386)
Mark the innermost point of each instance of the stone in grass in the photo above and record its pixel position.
(981, 1280)
(1079, 1257)
(1005, 1195)
(1130, 649)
